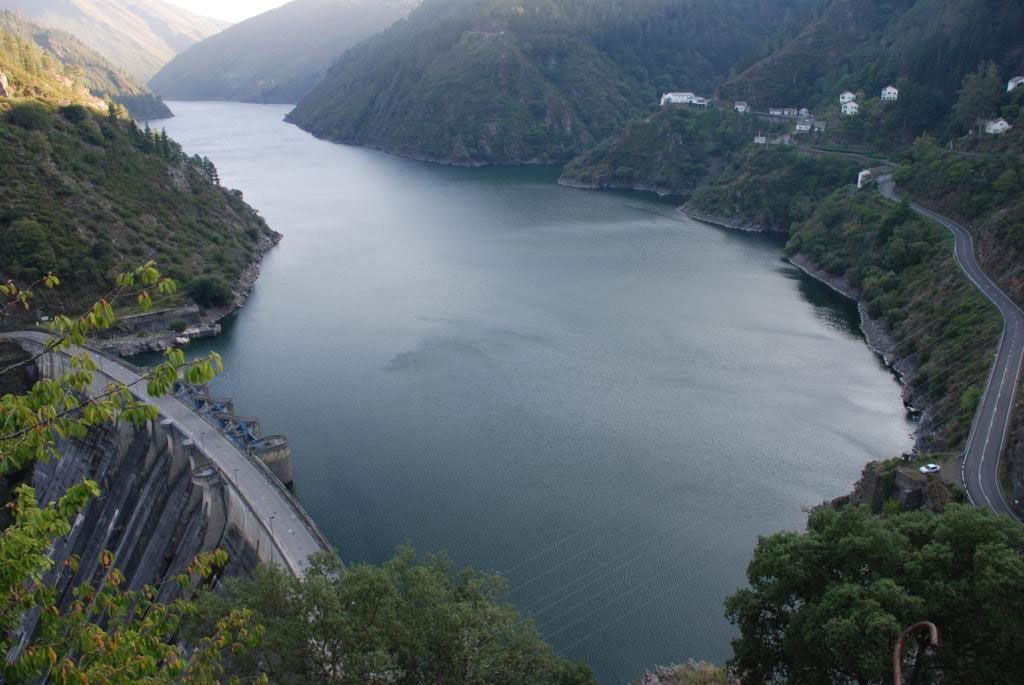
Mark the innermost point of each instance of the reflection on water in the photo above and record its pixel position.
(586, 391)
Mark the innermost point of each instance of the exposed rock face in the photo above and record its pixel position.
(5, 87)
(869, 490)
(904, 485)
(936, 495)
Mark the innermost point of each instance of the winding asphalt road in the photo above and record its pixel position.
(980, 471)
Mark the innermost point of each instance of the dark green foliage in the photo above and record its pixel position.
(903, 266)
(507, 81)
(827, 605)
(30, 115)
(25, 250)
(981, 95)
(209, 292)
(277, 56)
(985, 192)
(671, 152)
(772, 187)
(76, 114)
(94, 196)
(409, 621)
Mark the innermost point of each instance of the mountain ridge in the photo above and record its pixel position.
(537, 81)
(90, 68)
(277, 56)
(138, 36)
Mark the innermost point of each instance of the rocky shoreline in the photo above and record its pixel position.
(735, 224)
(443, 161)
(209, 327)
(876, 334)
(585, 185)
(881, 342)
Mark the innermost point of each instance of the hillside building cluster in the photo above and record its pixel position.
(849, 107)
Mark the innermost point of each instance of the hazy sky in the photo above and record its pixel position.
(229, 10)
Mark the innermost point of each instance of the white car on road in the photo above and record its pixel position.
(929, 469)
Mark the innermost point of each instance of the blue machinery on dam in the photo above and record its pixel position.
(244, 432)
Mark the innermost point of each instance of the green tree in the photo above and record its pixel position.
(31, 115)
(107, 633)
(210, 291)
(981, 95)
(827, 605)
(25, 249)
(406, 622)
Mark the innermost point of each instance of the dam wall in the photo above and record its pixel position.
(177, 486)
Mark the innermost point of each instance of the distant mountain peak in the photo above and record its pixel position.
(138, 36)
(277, 56)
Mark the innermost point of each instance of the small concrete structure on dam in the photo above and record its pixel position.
(196, 479)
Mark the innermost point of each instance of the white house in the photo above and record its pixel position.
(760, 140)
(790, 112)
(805, 113)
(803, 126)
(847, 96)
(775, 112)
(890, 94)
(741, 107)
(677, 98)
(850, 108)
(1014, 82)
(864, 178)
(997, 126)
(700, 102)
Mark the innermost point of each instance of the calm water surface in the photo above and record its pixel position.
(601, 399)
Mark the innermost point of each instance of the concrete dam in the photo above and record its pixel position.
(196, 479)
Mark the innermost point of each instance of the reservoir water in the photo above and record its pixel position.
(599, 398)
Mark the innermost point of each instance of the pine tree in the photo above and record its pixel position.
(211, 171)
(147, 139)
(164, 144)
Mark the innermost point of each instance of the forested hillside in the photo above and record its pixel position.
(984, 192)
(31, 72)
(277, 56)
(771, 188)
(84, 66)
(85, 193)
(519, 81)
(671, 152)
(926, 47)
(137, 36)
